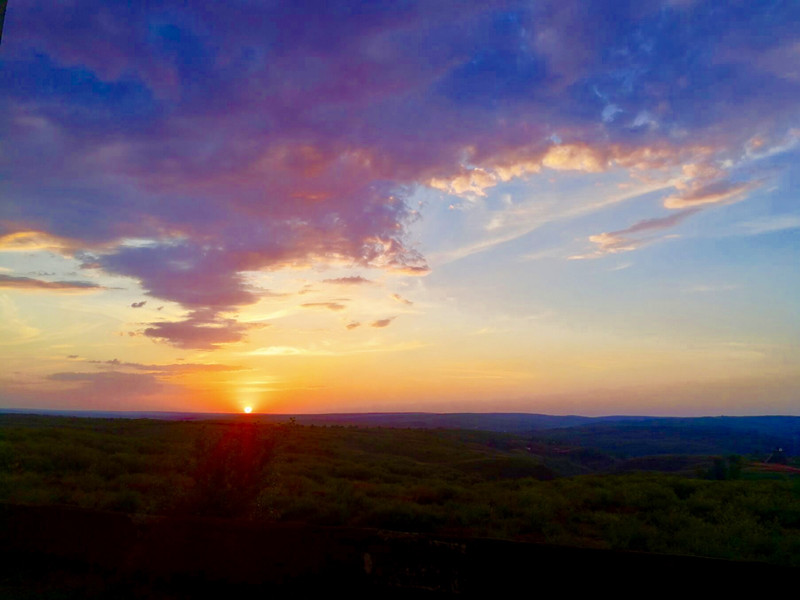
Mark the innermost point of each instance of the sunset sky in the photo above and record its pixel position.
(560, 207)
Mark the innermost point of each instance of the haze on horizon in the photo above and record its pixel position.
(552, 207)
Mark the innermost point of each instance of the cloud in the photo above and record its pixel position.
(772, 224)
(411, 270)
(28, 284)
(657, 223)
(702, 184)
(587, 156)
(401, 300)
(711, 193)
(575, 157)
(29, 241)
(368, 348)
(328, 305)
(138, 304)
(519, 162)
(382, 322)
(467, 182)
(616, 242)
(609, 243)
(353, 325)
(197, 146)
(114, 361)
(278, 351)
(185, 272)
(621, 266)
(203, 330)
(169, 368)
(354, 280)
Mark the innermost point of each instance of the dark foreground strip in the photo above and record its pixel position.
(57, 552)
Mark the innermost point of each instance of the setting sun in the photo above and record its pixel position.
(248, 409)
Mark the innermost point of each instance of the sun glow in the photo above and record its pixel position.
(248, 409)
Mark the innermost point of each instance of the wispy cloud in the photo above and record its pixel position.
(708, 193)
(401, 300)
(287, 351)
(352, 280)
(327, 305)
(174, 368)
(623, 240)
(39, 285)
(519, 220)
(771, 224)
(368, 348)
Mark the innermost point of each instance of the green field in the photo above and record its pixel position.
(447, 482)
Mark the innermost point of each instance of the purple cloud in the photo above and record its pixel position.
(259, 138)
(203, 330)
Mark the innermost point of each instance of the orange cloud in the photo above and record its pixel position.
(575, 157)
(28, 241)
(328, 305)
(401, 300)
(712, 193)
(382, 322)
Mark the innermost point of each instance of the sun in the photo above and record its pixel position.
(248, 409)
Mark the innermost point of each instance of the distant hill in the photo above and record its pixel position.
(501, 422)
(701, 435)
(622, 436)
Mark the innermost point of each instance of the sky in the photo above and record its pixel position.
(309, 207)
